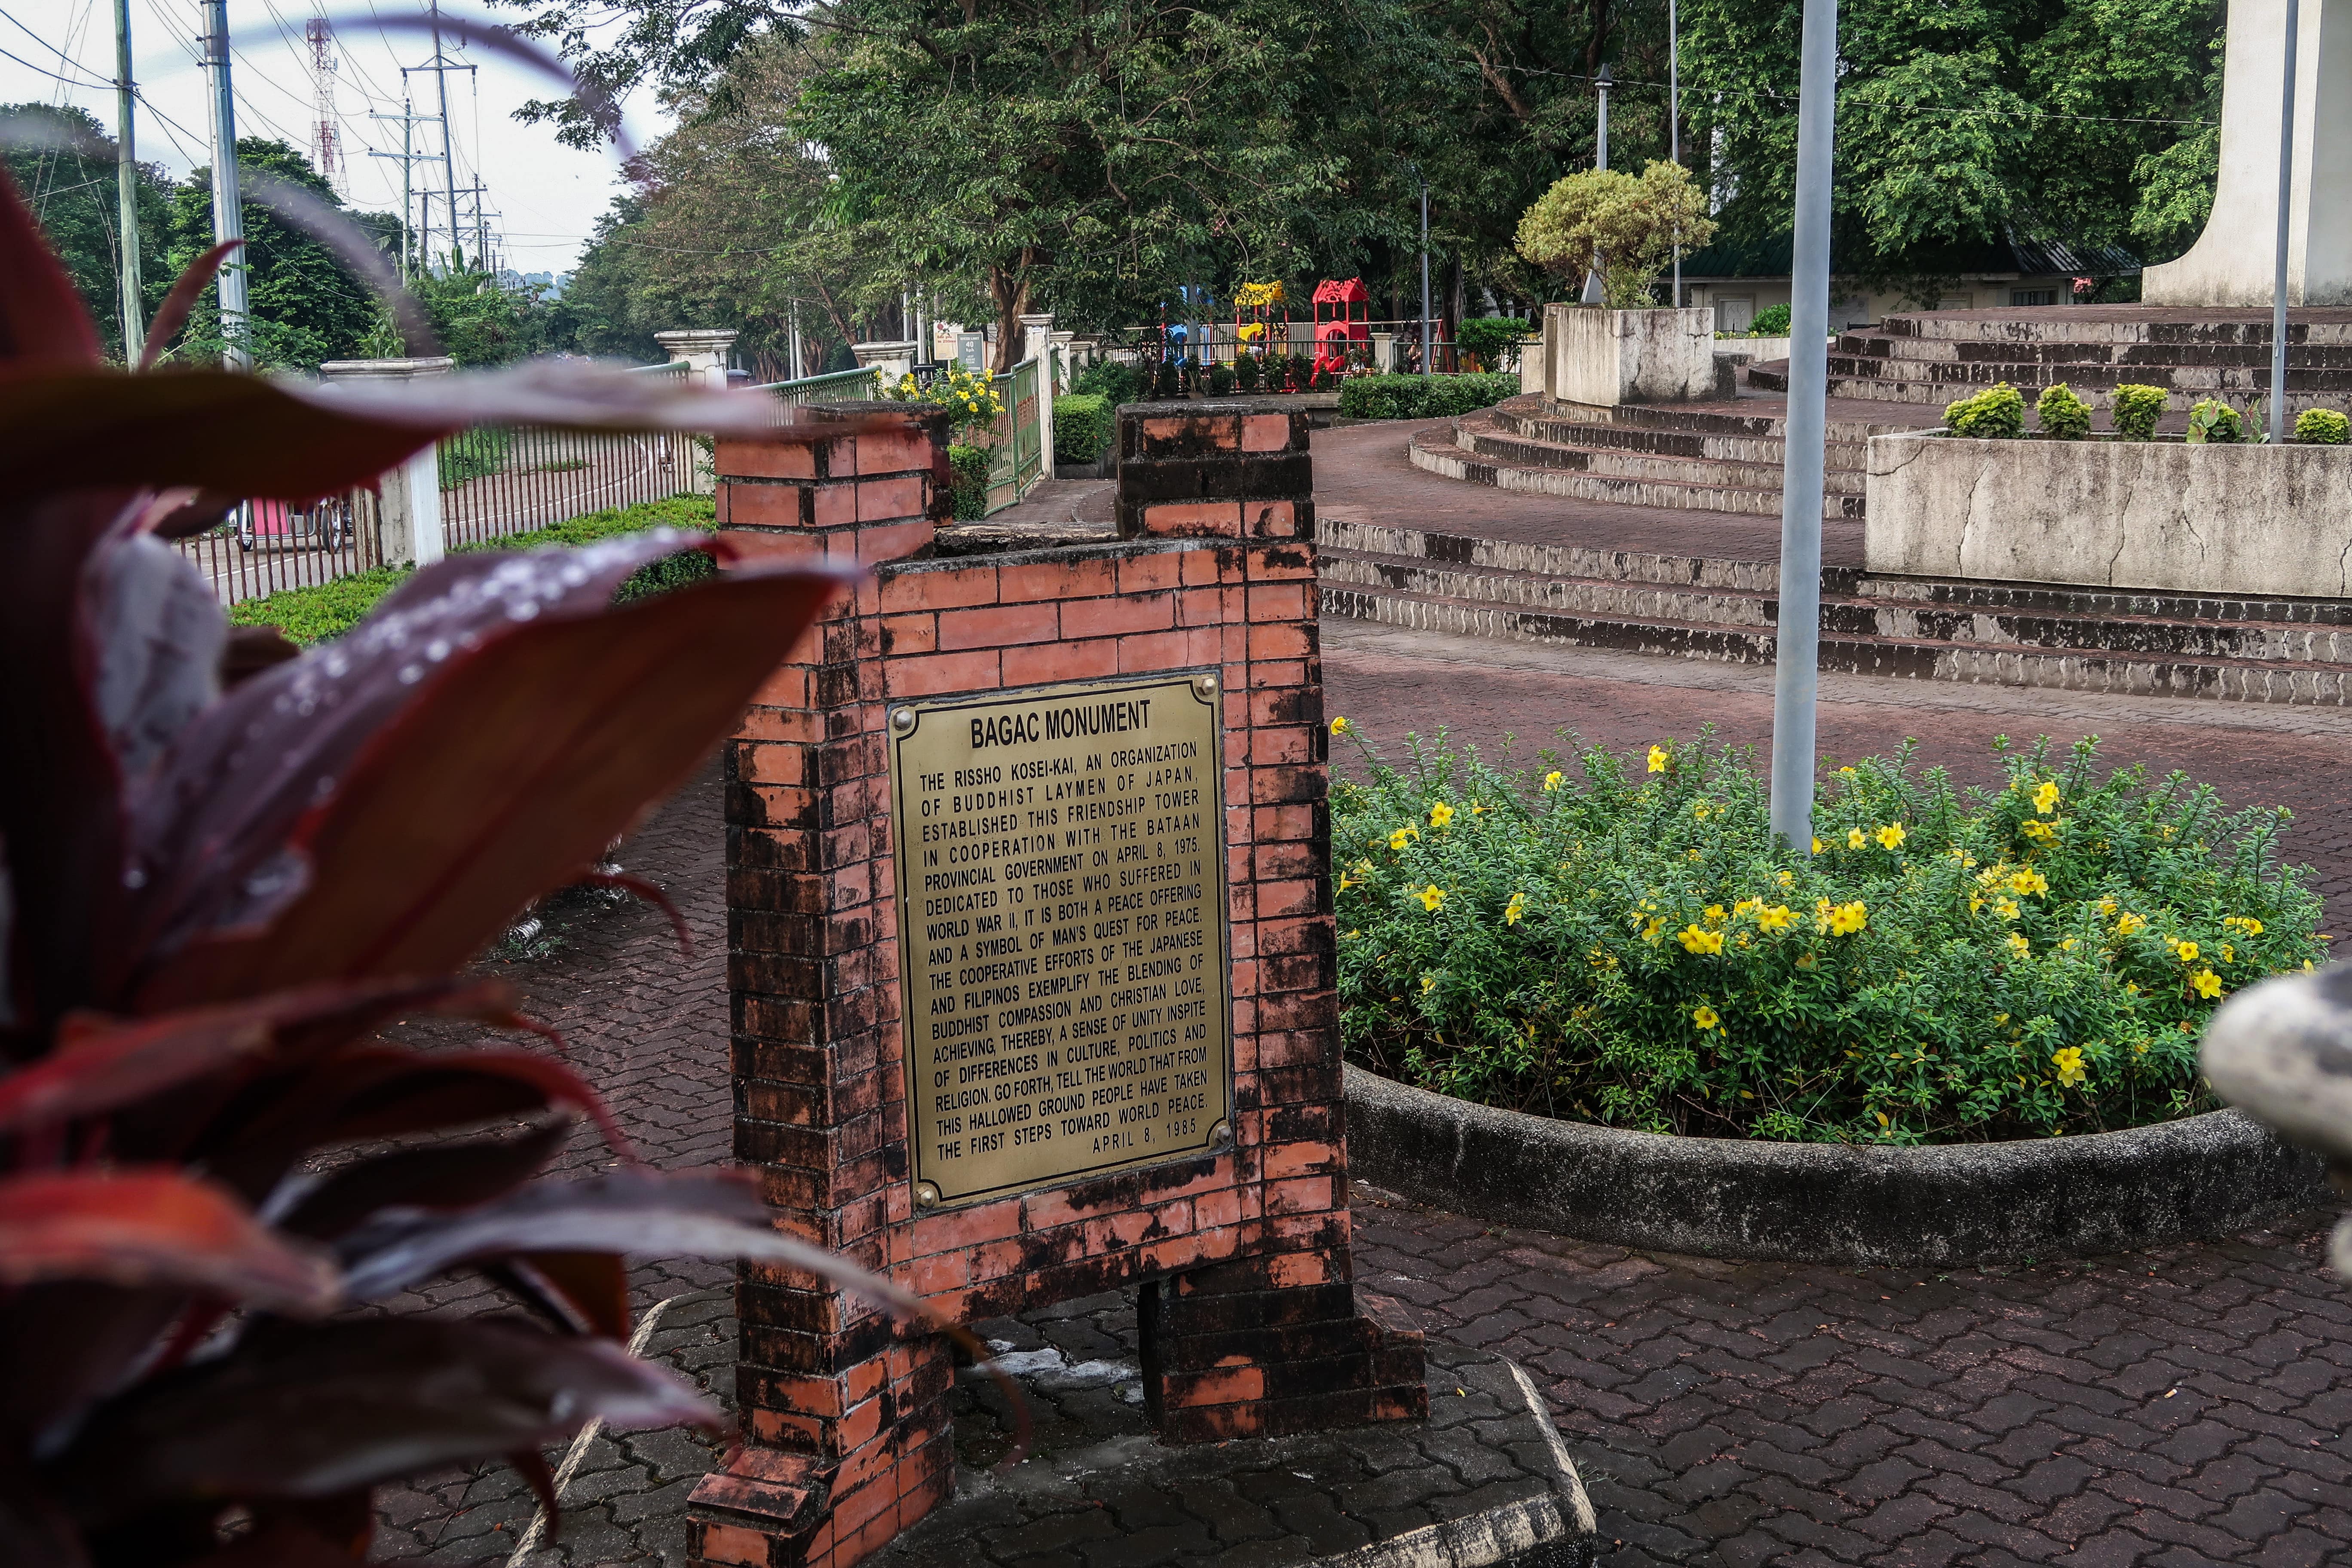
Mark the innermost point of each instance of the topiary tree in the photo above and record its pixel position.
(2321, 428)
(1624, 226)
(2065, 417)
(2137, 409)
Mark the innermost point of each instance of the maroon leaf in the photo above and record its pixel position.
(186, 288)
(76, 1340)
(442, 1176)
(508, 774)
(281, 1544)
(42, 321)
(152, 1228)
(662, 1214)
(587, 1292)
(155, 631)
(311, 1410)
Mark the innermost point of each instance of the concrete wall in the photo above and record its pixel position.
(1607, 357)
(2242, 519)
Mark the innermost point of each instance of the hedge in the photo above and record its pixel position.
(969, 488)
(315, 614)
(1081, 427)
(1422, 397)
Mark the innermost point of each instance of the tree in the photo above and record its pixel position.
(63, 162)
(1623, 227)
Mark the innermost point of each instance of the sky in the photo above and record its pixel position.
(546, 196)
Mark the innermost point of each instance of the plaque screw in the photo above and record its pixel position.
(927, 1197)
(1204, 686)
(1221, 1136)
(902, 722)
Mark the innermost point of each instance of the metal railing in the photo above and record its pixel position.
(840, 386)
(497, 482)
(1016, 457)
(265, 546)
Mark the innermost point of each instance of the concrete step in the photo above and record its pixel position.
(1438, 452)
(1612, 462)
(1846, 451)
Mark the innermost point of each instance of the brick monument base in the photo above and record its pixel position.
(1250, 1324)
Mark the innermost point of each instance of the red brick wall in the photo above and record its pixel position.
(848, 1404)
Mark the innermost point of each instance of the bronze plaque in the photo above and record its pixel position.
(1061, 944)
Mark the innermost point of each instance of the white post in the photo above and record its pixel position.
(703, 350)
(408, 515)
(2285, 206)
(228, 210)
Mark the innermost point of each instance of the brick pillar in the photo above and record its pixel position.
(843, 1408)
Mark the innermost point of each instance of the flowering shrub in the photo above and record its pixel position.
(1629, 946)
(970, 397)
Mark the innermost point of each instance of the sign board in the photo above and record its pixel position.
(1062, 945)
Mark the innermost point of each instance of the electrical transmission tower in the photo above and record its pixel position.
(326, 140)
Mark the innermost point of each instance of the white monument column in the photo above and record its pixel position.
(2231, 260)
(408, 498)
(703, 352)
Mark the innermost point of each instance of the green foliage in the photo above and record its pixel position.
(2211, 420)
(2136, 411)
(326, 610)
(972, 399)
(473, 454)
(1998, 413)
(480, 321)
(1771, 321)
(1221, 379)
(62, 159)
(1083, 426)
(1115, 380)
(2321, 428)
(1490, 337)
(2064, 416)
(1631, 946)
(1164, 381)
(1420, 397)
(1248, 372)
(1624, 226)
(970, 489)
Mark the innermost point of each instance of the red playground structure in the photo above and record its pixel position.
(1342, 324)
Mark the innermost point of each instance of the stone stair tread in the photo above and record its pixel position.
(1427, 442)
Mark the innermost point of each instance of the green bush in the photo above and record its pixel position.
(1998, 413)
(2064, 416)
(2321, 428)
(1081, 427)
(2214, 421)
(1164, 382)
(1248, 372)
(1111, 379)
(1419, 398)
(1771, 321)
(1489, 336)
(1221, 379)
(472, 455)
(2136, 410)
(1632, 947)
(969, 491)
(326, 610)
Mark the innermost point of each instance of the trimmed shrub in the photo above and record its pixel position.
(326, 610)
(1081, 427)
(1117, 382)
(969, 489)
(1417, 397)
(1489, 337)
(1248, 372)
(1995, 414)
(2213, 421)
(2137, 409)
(1631, 946)
(1771, 321)
(1164, 382)
(1221, 379)
(2321, 428)
(2064, 416)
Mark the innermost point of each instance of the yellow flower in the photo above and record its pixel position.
(1428, 983)
(1786, 878)
(2069, 945)
(1551, 780)
(2186, 951)
(2045, 799)
(1431, 897)
(2029, 880)
(2129, 924)
(1847, 919)
(2207, 983)
(1700, 809)
(2246, 923)
(1515, 909)
(1745, 906)
(1706, 1017)
(1891, 836)
(1715, 914)
(1847, 772)
(2229, 954)
(2006, 908)
(2039, 832)
(1817, 848)
(1699, 939)
(1340, 726)
(1777, 918)
(1651, 929)
(1440, 815)
(2108, 907)
(1400, 838)
(2070, 1071)
(1659, 757)
(1345, 882)
(1855, 839)
(2019, 946)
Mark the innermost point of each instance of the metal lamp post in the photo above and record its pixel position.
(1601, 80)
(2285, 197)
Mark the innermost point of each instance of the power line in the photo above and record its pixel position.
(98, 82)
(50, 74)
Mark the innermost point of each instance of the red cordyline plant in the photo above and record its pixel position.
(216, 888)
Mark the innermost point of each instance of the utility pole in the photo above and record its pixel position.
(1594, 294)
(2285, 202)
(1797, 637)
(1424, 274)
(448, 163)
(408, 117)
(1674, 128)
(126, 188)
(228, 215)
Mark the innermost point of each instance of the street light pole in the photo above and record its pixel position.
(1594, 294)
(2278, 261)
(1796, 676)
(1674, 128)
(228, 213)
(1424, 274)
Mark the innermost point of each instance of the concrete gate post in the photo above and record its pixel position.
(408, 498)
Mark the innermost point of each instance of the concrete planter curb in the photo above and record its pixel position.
(1607, 357)
(1811, 1203)
(2251, 520)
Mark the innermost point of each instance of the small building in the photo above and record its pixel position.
(2017, 268)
